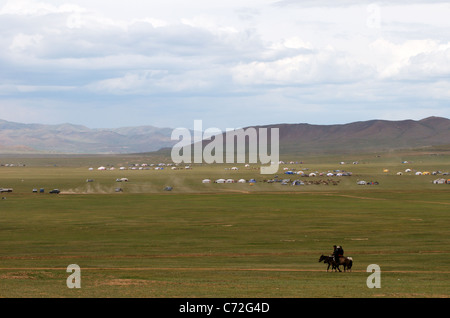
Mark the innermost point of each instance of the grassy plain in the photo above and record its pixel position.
(223, 240)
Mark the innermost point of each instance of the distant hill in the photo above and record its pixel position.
(372, 135)
(363, 136)
(76, 139)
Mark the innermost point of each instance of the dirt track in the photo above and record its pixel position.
(208, 269)
(193, 255)
(207, 255)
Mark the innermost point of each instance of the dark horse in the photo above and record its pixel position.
(330, 261)
(347, 262)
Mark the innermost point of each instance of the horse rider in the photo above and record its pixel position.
(337, 253)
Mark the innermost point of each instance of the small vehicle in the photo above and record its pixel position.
(55, 191)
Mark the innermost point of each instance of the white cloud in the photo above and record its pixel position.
(201, 53)
(411, 59)
(22, 42)
(346, 3)
(321, 66)
(30, 8)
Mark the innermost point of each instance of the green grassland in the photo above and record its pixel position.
(223, 240)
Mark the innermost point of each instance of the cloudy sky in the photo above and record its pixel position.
(234, 63)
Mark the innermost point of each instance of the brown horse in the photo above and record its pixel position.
(347, 262)
(330, 261)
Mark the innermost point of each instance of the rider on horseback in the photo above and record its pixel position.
(337, 253)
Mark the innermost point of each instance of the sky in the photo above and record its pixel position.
(231, 64)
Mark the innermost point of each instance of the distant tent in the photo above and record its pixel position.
(168, 189)
(418, 173)
(312, 174)
(206, 181)
(229, 181)
(361, 182)
(101, 168)
(439, 181)
(399, 173)
(220, 181)
(91, 169)
(408, 170)
(426, 173)
(242, 181)
(330, 174)
(252, 181)
(385, 170)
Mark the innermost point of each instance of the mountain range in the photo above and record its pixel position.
(372, 135)
(77, 139)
